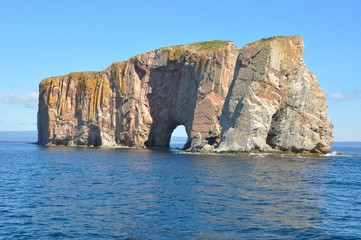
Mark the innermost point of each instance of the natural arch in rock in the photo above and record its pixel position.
(179, 137)
(160, 135)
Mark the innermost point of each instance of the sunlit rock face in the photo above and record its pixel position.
(261, 96)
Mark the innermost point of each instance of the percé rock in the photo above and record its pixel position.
(261, 96)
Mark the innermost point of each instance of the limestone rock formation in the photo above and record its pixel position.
(261, 96)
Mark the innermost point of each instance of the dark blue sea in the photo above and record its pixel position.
(63, 193)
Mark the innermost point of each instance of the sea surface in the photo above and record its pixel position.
(92, 193)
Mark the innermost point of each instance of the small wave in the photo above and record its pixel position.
(335, 154)
(259, 154)
(57, 234)
(195, 153)
(58, 219)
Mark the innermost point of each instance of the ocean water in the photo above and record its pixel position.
(63, 193)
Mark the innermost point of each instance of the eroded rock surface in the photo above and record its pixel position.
(259, 97)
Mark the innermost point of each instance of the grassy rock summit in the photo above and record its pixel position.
(259, 97)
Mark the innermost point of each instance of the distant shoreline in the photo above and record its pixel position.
(346, 144)
(18, 136)
(31, 136)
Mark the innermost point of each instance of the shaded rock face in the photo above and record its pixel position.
(259, 97)
(274, 101)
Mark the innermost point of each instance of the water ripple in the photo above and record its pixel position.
(62, 193)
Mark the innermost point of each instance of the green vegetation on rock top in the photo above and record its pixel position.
(87, 73)
(271, 38)
(203, 46)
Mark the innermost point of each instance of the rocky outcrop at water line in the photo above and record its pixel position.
(261, 96)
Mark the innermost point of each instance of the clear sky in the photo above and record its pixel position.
(46, 38)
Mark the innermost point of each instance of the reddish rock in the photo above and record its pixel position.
(259, 97)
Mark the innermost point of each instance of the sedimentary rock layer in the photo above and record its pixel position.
(261, 96)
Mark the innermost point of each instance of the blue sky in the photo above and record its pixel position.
(48, 38)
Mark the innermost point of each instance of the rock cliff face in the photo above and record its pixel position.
(259, 97)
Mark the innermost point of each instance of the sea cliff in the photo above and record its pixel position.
(261, 96)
